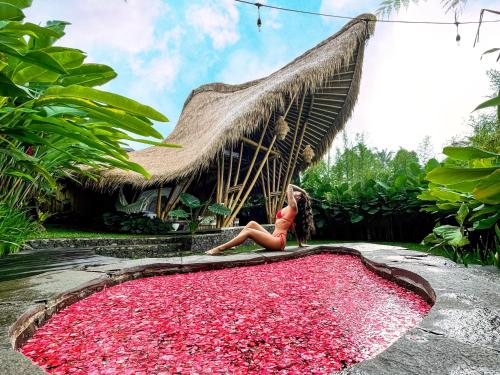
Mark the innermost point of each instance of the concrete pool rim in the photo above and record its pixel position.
(413, 270)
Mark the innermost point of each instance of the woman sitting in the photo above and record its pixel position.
(297, 215)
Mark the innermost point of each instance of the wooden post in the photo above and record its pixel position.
(252, 183)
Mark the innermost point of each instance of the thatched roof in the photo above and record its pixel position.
(216, 115)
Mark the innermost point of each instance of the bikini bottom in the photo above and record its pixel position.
(282, 237)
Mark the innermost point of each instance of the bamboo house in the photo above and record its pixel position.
(250, 138)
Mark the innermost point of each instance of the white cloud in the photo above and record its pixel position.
(217, 20)
(244, 66)
(124, 26)
(418, 82)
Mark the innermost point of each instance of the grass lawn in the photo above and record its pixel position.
(58, 232)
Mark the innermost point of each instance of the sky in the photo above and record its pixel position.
(417, 81)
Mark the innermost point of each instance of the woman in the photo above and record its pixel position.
(297, 215)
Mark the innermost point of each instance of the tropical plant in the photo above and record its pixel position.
(53, 122)
(465, 187)
(196, 210)
(15, 226)
(136, 223)
(368, 195)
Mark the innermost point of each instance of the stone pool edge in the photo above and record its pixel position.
(413, 270)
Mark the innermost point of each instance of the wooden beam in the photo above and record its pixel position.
(255, 144)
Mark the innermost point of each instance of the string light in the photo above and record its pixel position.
(456, 23)
(259, 5)
(259, 21)
(457, 38)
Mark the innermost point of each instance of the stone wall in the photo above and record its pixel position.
(143, 247)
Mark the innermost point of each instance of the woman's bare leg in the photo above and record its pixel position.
(254, 225)
(264, 239)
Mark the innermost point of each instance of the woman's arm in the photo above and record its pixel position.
(291, 199)
(296, 188)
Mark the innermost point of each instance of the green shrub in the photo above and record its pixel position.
(15, 227)
(465, 189)
(135, 223)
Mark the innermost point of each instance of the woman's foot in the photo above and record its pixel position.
(215, 251)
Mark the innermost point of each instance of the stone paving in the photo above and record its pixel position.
(461, 334)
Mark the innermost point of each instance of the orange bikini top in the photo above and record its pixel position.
(279, 215)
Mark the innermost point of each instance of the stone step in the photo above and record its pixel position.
(142, 251)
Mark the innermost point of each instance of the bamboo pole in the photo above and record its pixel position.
(252, 183)
(255, 144)
(252, 163)
(158, 203)
(268, 190)
(266, 201)
(169, 202)
(273, 205)
(180, 188)
(289, 177)
(226, 193)
(237, 176)
(287, 171)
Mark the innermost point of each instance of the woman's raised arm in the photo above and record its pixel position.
(291, 199)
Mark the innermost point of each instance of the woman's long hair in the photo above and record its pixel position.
(304, 222)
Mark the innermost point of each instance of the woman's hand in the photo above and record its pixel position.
(296, 188)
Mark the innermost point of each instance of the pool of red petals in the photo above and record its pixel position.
(312, 315)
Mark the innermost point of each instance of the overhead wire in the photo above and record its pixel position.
(260, 5)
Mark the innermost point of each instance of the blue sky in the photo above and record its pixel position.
(416, 80)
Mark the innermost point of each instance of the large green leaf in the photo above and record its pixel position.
(219, 209)
(488, 190)
(452, 235)
(431, 164)
(19, 28)
(494, 102)
(9, 12)
(464, 187)
(116, 116)
(356, 218)
(179, 213)
(88, 75)
(19, 3)
(462, 213)
(190, 200)
(486, 223)
(8, 88)
(69, 58)
(468, 153)
(446, 195)
(38, 58)
(448, 176)
(111, 99)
